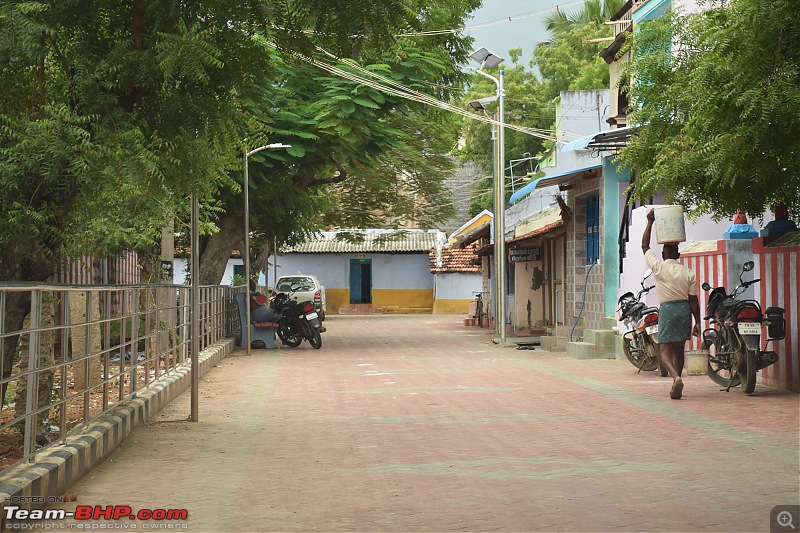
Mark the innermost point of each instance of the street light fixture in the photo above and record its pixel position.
(488, 59)
(480, 103)
(247, 232)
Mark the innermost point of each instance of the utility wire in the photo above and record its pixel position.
(391, 87)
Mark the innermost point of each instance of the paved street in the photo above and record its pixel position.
(417, 423)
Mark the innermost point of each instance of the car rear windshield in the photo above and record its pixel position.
(296, 284)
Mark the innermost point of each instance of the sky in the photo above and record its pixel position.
(525, 29)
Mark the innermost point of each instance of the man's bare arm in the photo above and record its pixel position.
(651, 217)
(694, 304)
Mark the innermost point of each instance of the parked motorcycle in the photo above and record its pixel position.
(736, 333)
(640, 340)
(297, 321)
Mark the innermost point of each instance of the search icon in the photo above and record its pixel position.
(782, 519)
(785, 519)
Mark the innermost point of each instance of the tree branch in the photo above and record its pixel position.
(306, 182)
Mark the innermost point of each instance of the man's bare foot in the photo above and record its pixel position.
(677, 389)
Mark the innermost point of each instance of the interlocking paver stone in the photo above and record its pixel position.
(417, 423)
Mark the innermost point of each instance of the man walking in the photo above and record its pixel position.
(676, 287)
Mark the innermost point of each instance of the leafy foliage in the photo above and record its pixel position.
(112, 114)
(566, 63)
(721, 128)
(590, 12)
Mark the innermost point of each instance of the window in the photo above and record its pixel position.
(592, 229)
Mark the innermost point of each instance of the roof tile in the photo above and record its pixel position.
(456, 259)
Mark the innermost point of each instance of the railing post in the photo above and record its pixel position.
(32, 376)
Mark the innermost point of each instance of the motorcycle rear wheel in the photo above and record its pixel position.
(635, 354)
(749, 373)
(721, 372)
(315, 339)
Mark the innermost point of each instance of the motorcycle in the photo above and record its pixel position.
(736, 333)
(640, 340)
(297, 321)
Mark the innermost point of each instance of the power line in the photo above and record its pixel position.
(389, 86)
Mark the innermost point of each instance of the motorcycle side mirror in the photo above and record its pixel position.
(747, 267)
(647, 274)
(706, 286)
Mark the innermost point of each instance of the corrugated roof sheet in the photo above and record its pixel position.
(455, 259)
(788, 239)
(383, 241)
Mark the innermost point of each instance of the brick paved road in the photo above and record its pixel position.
(416, 423)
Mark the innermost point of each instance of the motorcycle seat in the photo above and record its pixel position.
(649, 310)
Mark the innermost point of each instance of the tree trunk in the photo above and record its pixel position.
(18, 267)
(214, 257)
(45, 357)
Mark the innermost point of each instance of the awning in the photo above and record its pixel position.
(545, 181)
(603, 141)
(536, 226)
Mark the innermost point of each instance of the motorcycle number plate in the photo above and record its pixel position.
(311, 316)
(749, 328)
(652, 330)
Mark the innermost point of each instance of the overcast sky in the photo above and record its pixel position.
(525, 29)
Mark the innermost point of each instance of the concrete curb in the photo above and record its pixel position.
(58, 467)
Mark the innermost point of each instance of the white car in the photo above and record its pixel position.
(303, 287)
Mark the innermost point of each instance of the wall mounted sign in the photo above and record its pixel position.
(526, 254)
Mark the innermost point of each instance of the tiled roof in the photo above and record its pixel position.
(456, 259)
(367, 241)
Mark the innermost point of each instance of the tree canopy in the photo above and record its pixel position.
(719, 108)
(112, 114)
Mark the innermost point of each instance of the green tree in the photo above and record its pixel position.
(360, 157)
(113, 113)
(721, 128)
(523, 107)
(565, 62)
(590, 12)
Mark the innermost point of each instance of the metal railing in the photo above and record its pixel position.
(625, 21)
(70, 353)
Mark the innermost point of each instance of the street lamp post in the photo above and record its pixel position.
(247, 233)
(488, 59)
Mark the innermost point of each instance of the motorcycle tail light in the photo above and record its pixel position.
(317, 296)
(748, 313)
(651, 319)
(308, 307)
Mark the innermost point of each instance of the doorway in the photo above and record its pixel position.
(361, 281)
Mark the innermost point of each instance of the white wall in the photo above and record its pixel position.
(399, 271)
(457, 285)
(389, 271)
